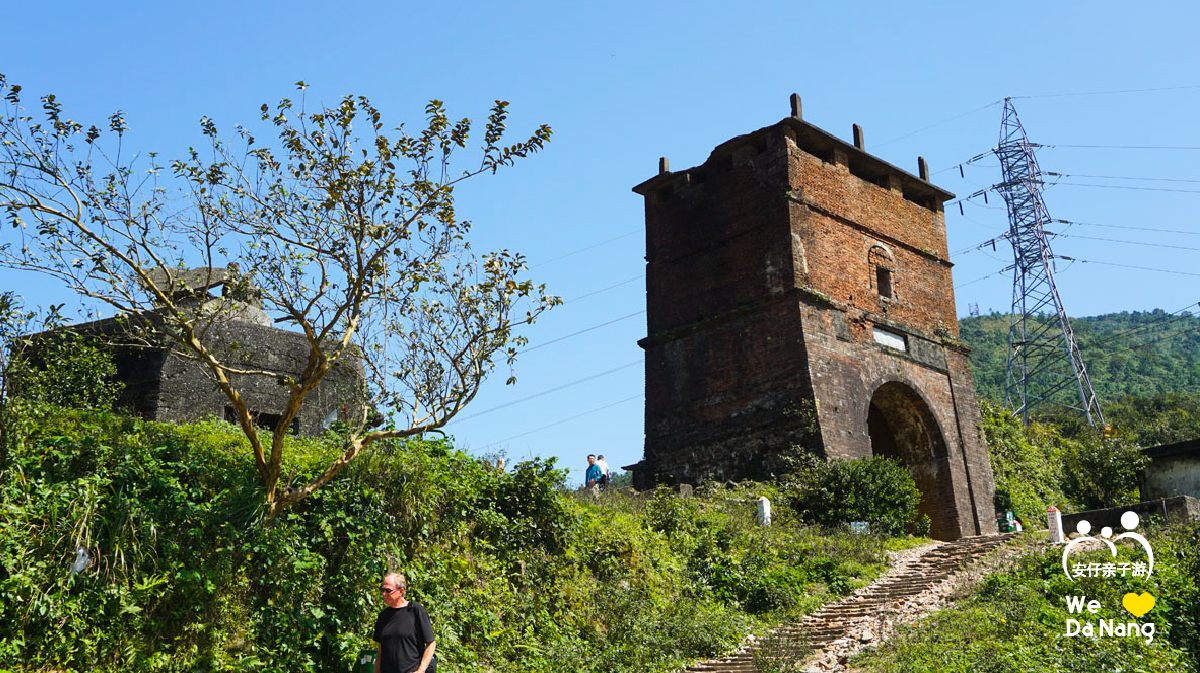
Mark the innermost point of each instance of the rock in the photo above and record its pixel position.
(866, 636)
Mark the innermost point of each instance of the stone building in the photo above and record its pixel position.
(799, 293)
(161, 386)
(1174, 470)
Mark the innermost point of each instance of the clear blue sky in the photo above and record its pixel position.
(625, 83)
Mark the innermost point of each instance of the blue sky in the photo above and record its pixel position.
(625, 83)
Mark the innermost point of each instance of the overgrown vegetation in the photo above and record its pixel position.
(1016, 620)
(879, 491)
(1140, 353)
(1040, 465)
(330, 223)
(518, 573)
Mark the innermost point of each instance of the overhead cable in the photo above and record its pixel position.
(1112, 91)
(1131, 266)
(1173, 316)
(551, 390)
(1119, 240)
(1140, 189)
(585, 248)
(1118, 177)
(1120, 147)
(1124, 226)
(587, 329)
(560, 422)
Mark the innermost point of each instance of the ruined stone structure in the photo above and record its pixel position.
(799, 294)
(161, 386)
(1174, 470)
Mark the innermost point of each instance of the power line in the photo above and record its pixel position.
(979, 246)
(1051, 95)
(944, 121)
(1170, 317)
(551, 390)
(985, 277)
(588, 329)
(1118, 240)
(1124, 226)
(1101, 93)
(1141, 189)
(1131, 266)
(605, 289)
(585, 248)
(1172, 335)
(968, 162)
(1118, 177)
(1121, 147)
(560, 422)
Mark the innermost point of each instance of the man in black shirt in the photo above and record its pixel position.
(403, 632)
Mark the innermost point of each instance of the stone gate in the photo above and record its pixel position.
(799, 293)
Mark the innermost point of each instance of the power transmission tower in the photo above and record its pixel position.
(1044, 365)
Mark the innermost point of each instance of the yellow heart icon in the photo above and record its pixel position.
(1138, 605)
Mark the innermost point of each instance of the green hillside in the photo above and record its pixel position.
(1142, 354)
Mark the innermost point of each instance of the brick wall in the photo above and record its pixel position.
(764, 298)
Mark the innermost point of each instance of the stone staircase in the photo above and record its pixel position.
(873, 603)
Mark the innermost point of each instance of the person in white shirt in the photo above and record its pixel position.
(603, 470)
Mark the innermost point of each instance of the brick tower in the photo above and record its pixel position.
(799, 294)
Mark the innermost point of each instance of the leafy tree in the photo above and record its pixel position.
(1027, 463)
(70, 370)
(1102, 471)
(16, 321)
(1158, 419)
(348, 232)
(879, 490)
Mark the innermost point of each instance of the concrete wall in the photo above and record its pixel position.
(164, 387)
(1172, 475)
(1177, 509)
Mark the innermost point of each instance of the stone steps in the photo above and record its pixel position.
(830, 623)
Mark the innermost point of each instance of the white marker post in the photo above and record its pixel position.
(764, 511)
(1054, 522)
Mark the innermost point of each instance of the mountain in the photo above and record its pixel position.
(1139, 353)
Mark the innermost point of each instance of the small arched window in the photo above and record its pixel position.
(883, 279)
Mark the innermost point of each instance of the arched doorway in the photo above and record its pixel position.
(901, 425)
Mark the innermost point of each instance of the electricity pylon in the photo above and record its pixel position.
(1044, 365)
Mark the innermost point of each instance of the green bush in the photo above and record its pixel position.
(1037, 466)
(64, 369)
(518, 574)
(878, 490)
(1027, 464)
(1102, 471)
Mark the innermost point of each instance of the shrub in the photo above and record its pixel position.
(879, 490)
(517, 574)
(1027, 464)
(1102, 471)
(65, 369)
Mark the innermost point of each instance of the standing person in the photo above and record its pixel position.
(403, 631)
(603, 481)
(592, 477)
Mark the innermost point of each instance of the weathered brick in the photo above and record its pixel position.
(769, 270)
